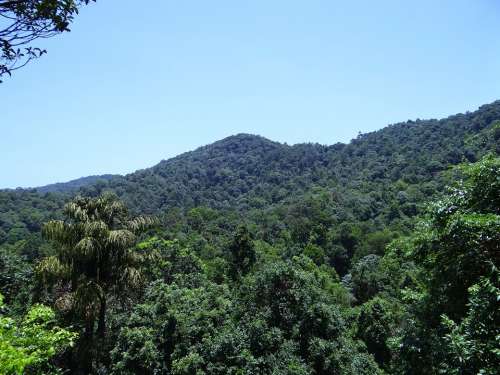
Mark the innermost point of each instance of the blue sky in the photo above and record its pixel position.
(134, 83)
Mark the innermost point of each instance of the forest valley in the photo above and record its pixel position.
(249, 256)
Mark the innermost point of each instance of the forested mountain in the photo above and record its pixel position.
(73, 185)
(380, 176)
(242, 170)
(249, 256)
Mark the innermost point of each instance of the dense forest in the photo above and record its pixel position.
(249, 256)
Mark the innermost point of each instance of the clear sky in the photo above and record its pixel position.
(138, 82)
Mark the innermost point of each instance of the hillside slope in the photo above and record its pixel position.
(73, 185)
(246, 171)
(243, 173)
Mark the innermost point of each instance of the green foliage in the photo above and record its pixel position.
(26, 346)
(451, 320)
(241, 251)
(378, 321)
(463, 238)
(94, 260)
(286, 318)
(166, 331)
(366, 278)
(15, 277)
(168, 261)
(296, 305)
(381, 178)
(275, 259)
(472, 346)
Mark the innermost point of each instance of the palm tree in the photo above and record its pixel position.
(94, 257)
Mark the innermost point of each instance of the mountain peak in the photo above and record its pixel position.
(240, 143)
(245, 137)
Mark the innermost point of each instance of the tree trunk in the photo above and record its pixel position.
(101, 326)
(84, 352)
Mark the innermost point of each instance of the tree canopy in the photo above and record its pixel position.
(252, 257)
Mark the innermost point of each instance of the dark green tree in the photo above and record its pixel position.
(472, 345)
(241, 251)
(366, 278)
(169, 332)
(377, 323)
(456, 251)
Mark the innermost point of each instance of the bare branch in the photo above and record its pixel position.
(28, 20)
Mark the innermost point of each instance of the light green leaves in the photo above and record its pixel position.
(32, 341)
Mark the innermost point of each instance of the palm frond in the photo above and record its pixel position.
(75, 211)
(87, 299)
(135, 258)
(131, 277)
(86, 246)
(96, 228)
(120, 239)
(94, 252)
(50, 269)
(55, 230)
(115, 208)
(141, 223)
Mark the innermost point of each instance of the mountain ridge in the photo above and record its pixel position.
(245, 173)
(74, 184)
(240, 138)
